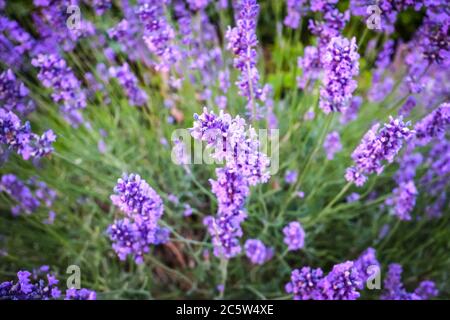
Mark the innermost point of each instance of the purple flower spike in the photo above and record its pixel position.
(394, 289)
(377, 146)
(129, 82)
(242, 42)
(55, 74)
(341, 64)
(143, 208)
(367, 264)
(342, 283)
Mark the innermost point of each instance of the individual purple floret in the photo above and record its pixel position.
(433, 125)
(257, 252)
(294, 236)
(295, 10)
(129, 82)
(394, 289)
(14, 94)
(353, 197)
(332, 144)
(55, 74)
(304, 283)
(143, 208)
(377, 146)
(367, 264)
(80, 294)
(28, 288)
(291, 176)
(342, 283)
(341, 64)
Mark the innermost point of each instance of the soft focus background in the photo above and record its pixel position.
(117, 137)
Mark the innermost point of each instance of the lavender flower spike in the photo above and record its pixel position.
(341, 64)
(342, 283)
(242, 42)
(55, 74)
(143, 208)
(377, 146)
(129, 82)
(304, 283)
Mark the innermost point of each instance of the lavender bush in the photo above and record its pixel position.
(237, 149)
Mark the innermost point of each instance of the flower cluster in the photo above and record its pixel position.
(233, 143)
(294, 236)
(242, 42)
(19, 137)
(15, 42)
(367, 264)
(143, 208)
(129, 83)
(433, 125)
(32, 286)
(394, 289)
(291, 176)
(159, 34)
(100, 6)
(403, 200)
(80, 294)
(311, 67)
(25, 289)
(341, 283)
(14, 94)
(340, 62)
(332, 144)
(304, 283)
(295, 10)
(351, 113)
(245, 166)
(29, 195)
(56, 74)
(53, 26)
(376, 147)
(257, 252)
